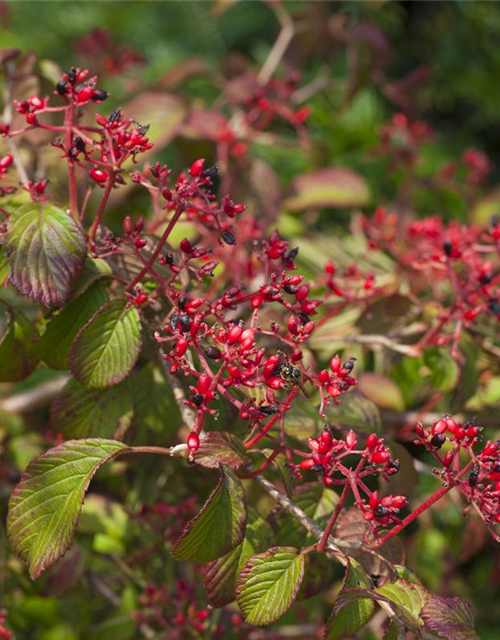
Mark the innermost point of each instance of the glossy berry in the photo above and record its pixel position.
(98, 175)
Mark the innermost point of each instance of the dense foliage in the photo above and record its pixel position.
(251, 284)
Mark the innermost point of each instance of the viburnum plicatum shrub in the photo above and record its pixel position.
(241, 335)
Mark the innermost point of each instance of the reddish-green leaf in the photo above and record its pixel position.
(328, 188)
(107, 347)
(451, 618)
(221, 447)
(44, 507)
(54, 345)
(79, 412)
(269, 583)
(409, 597)
(220, 525)
(47, 250)
(350, 615)
(221, 575)
(381, 390)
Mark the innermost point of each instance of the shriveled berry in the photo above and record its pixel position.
(213, 353)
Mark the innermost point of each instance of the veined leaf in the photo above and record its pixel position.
(221, 447)
(54, 345)
(107, 347)
(349, 616)
(45, 505)
(451, 618)
(47, 251)
(409, 597)
(221, 575)
(79, 412)
(219, 526)
(268, 585)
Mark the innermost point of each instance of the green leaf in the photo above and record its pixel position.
(444, 370)
(221, 575)
(451, 618)
(154, 406)
(269, 583)
(349, 616)
(16, 334)
(79, 412)
(221, 447)
(356, 411)
(409, 597)
(44, 506)
(47, 250)
(219, 526)
(107, 347)
(94, 269)
(54, 345)
(328, 188)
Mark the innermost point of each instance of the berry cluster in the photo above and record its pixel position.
(454, 265)
(478, 479)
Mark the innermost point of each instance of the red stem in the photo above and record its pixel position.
(423, 507)
(159, 247)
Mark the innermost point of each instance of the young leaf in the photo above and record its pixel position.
(47, 250)
(349, 616)
(54, 345)
(221, 447)
(107, 347)
(44, 507)
(268, 585)
(79, 412)
(219, 526)
(451, 618)
(221, 575)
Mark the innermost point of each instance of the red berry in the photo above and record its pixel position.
(140, 243)
(36, 102)
(439, 426)
(335, 364)
(448, 458)
(351, 440)
(30, 118)
(451, 424)
(372, 441)
(98, 175)
(185, 246)
(307, 464)
(302, 293)
(380, 456)
(181, 347)
(204, 382)
(84, 94)
(6, 161)
(323, 376)
(256, 301)
(127, 225)
(193, 441)
(234, 334)
(197, 167)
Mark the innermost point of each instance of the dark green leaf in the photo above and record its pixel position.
(220, 525)
(107, 347)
